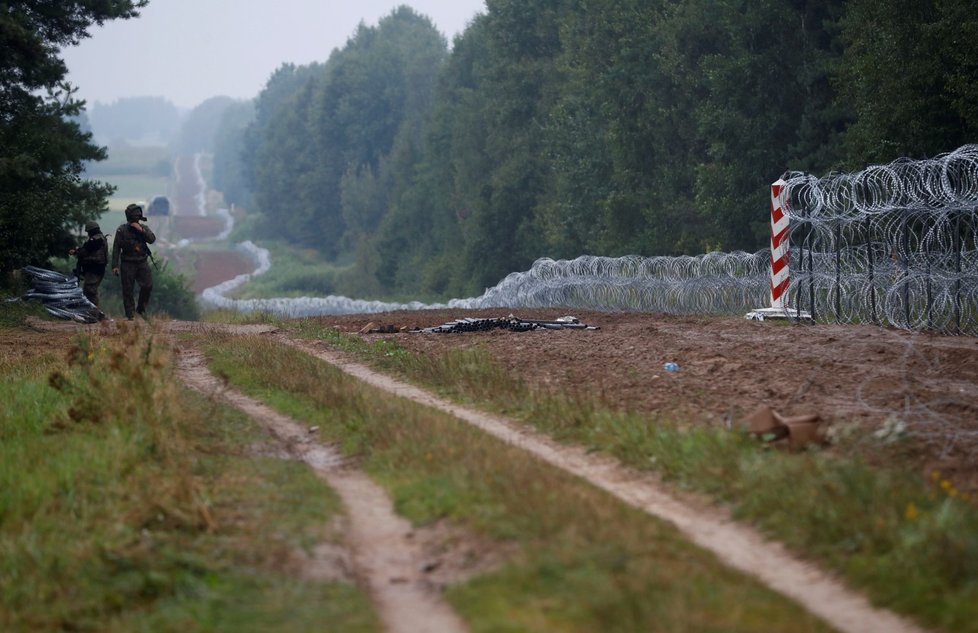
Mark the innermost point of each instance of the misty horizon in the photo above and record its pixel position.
(224, 48)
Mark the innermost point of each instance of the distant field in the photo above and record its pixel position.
(128, 160)
(139, 189)
(138, 173)
(135, 188)
(109, 220)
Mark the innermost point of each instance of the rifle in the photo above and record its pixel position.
(151, 258)
(142, 238)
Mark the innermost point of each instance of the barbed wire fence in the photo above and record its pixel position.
(895, 245)
(892, 244)
(713, 283)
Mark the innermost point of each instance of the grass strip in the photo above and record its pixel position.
(128, 503)
(583, 562)
(912, 545)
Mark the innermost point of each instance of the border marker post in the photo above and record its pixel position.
(780, 270)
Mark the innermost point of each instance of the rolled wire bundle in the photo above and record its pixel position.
(60, 294)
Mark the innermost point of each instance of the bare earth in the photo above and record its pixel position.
(387, 560)
(863, 376)
(214, 267)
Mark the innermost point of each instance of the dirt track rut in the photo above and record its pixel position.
(385, 558)
(738, 546)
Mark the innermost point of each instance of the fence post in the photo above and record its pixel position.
(780, 260)
(780, 273)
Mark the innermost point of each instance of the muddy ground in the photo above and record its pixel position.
(923, 388)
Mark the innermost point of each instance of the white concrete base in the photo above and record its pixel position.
(761, 314)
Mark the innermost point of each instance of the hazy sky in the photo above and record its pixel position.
(190, 50)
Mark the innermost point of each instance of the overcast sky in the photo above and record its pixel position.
(190, 50)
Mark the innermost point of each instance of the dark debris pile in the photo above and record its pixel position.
(510, 323)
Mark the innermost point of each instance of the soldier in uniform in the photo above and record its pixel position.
(92, 256)
(130, 251)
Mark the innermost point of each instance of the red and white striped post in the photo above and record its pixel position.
(780, 274)
(780, 247)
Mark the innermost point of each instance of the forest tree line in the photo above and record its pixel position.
(563, 127)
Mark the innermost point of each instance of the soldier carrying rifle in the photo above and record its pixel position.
(92, 256)
(130, 250)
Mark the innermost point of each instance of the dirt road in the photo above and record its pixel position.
(387, 559)
(377, 535)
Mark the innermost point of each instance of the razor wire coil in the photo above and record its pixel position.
(893, 244)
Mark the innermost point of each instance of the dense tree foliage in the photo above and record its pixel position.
(323, 135)
(229, 153)
(561, 127)
(43, 198)
(910, 76)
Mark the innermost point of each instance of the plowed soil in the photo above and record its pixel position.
(214, 267)
(922, 387)
(195, 227)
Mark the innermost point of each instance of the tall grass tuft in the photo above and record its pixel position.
(128, 503)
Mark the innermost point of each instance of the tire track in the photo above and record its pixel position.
(385, 559)
(739, 546)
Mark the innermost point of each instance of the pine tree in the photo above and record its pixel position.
(43, 197)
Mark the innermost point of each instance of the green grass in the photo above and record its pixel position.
(14, 314)
(128, 504)
(298, 272)
(911, 544)
(295, 273)
(135, 188)
(132, 159)
(583, 561)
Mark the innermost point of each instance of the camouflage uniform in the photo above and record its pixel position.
(92, 256)
(130, 251)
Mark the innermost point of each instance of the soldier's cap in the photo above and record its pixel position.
(91, 225)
